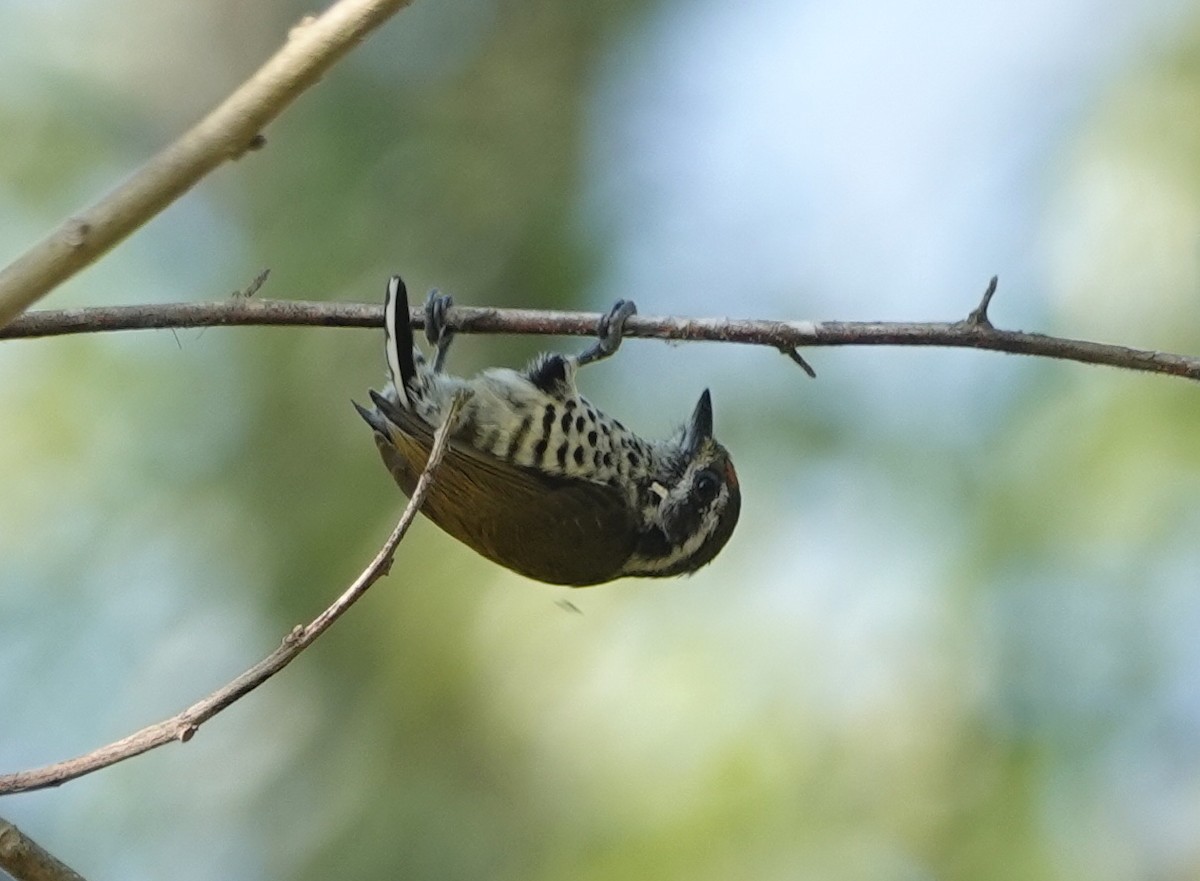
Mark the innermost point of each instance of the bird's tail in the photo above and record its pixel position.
(398, 339)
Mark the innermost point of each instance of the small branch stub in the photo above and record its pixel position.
(799, 359)
(979, 315)
(254, 287)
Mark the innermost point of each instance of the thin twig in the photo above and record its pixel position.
(233, 128)
(183, 726)
(26, 860)
(977, 333)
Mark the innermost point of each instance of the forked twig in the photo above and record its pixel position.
(184, 725)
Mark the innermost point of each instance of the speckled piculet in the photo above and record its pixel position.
(539, 480)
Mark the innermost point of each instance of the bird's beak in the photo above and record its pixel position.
(699, 428)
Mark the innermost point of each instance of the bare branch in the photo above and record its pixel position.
(183, 726)
(26, 860)
(234, 127)
(974, 332)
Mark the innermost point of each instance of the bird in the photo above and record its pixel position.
(538, 479)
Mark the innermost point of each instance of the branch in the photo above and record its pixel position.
(26, 860)
(230, 130)
(183, 726)
(974, 332)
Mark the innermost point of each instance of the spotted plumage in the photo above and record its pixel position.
(540, 480)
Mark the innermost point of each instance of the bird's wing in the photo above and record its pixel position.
(555, 529)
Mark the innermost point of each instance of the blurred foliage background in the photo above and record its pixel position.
(955, 634)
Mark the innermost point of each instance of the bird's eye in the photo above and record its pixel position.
(706, 486)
